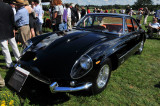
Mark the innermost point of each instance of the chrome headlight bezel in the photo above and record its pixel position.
(81, 67)
(85, 62)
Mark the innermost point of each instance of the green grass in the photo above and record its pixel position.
(136, 82)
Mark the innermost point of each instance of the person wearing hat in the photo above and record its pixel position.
(22, 21)
(12, 4)
(6, 35)
(139, 15)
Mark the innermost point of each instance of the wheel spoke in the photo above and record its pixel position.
(103, 76)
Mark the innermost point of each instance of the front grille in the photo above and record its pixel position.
(36, 75)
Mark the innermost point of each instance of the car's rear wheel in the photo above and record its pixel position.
(102, 77)
(140, 49)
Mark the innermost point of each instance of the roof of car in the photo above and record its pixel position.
(111, 14)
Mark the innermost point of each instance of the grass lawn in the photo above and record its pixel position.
(136, 82)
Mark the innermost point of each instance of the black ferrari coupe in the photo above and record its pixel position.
(83, 58)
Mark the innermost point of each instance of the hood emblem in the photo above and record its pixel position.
(35, 59)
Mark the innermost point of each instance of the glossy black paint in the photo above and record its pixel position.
(55, 62)
(64, 52)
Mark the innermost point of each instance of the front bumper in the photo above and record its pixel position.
(55, 88)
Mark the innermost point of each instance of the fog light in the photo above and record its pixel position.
(72, 83)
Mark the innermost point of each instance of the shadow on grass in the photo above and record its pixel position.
(2, 61)
(43, 97)
(37, 92)
(83, 93)
(157, 85)
(155, 38)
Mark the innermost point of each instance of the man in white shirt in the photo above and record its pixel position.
(39, 14)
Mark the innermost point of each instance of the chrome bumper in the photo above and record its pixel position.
(54, 87)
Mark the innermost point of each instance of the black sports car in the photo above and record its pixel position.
(82, 59)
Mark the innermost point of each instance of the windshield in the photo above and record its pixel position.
(102, 23)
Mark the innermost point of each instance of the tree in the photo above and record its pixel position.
(142, 3)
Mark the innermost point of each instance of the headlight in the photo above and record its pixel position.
(81, 67)
(85, 62)
(26, 47)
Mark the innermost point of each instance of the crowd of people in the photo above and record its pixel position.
(18, 17)
(65, 16)
(27, 20)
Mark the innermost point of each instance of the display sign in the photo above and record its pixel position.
(18, 78)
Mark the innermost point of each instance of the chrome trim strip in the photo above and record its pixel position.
(129, 51)
(54, 87)
(41, 80)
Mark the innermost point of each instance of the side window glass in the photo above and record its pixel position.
(87, 22)
(136, 27)
(129, 25)
(126, 28)
(98, 21)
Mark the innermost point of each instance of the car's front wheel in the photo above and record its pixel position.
(102, 77)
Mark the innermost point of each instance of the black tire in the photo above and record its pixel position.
(105, 72)
(140, 49)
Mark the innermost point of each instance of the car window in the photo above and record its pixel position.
(130, 26)
(136, 27)
(102, 23)
(87, 22)
(126, 28)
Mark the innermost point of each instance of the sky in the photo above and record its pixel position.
(105, 2)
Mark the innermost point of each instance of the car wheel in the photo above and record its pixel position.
(140, 49)
(102, 77)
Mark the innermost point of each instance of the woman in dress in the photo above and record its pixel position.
(31, 19)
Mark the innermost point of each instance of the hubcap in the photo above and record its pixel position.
(103, 76)
(141, 47)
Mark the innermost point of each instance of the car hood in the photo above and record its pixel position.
(57, 59)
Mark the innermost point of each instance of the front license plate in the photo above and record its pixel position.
(18, 78)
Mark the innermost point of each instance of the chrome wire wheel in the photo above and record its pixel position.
(141, 46)
(103, 76)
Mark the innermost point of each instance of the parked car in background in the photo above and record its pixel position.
(84, 58)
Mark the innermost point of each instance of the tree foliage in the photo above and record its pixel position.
(143, 3)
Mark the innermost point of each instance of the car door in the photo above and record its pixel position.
(138, 32)
(127, 40)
